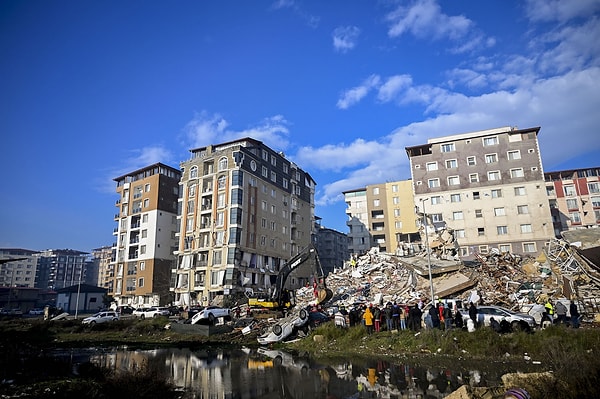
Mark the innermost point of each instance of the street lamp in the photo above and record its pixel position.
(428, 250)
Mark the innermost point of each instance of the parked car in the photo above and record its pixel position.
(36, 311)
(518, 321)
(125, 309)
(210, 314)
(101, 317)
(151, 312)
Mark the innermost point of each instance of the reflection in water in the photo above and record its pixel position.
(265, 373)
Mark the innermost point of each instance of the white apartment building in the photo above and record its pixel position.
(488, 186)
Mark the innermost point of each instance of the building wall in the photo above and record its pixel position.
(332, 247)
(488, 186)
(574, 197)
(358, 221)
(59, 268)
(18, 273)
(245, 209)
(146, 236)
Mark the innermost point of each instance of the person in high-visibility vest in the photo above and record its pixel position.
(549, 310)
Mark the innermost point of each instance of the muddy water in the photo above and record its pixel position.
(264, 373)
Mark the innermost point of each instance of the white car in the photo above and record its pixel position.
(152, 312)
(210, 314)
(101, 317)
(284, 328)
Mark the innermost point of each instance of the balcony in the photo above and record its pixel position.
(116, 216)
(137, 195)
(135, 225)
(136, 210)
(134, 240)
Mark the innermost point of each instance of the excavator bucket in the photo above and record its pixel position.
(324, 295)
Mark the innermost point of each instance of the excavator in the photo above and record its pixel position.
(280, 298)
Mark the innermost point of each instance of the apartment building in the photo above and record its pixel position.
(19, 272)
(574, 197)
(60, 268)
(146, 233)
(382, 216)
(245, 210)
(332, 247)
(488, 186)
(102, 258)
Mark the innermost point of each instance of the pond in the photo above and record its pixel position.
(270, 373)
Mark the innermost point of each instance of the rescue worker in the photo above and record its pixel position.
(549, 310)
(368, 318)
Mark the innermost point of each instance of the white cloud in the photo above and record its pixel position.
(560, 10)
(345, 37)
(424, 19)
(205, 129)
(355, 94)
(392, 86)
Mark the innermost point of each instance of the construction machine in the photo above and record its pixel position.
(280, 298)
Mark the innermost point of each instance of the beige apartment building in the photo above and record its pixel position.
(140, 270)
(245, 210)
(488, 186)
(382, 216)
(574, 197)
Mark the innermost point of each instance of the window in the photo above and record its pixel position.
(455, 198)
(264, 171)
(497, 193)
(522, 209)
(273, 160)
(376, 202)
(569, 190)
(141, 282)
(458, 215)
(398, 225)
(273, 193)
(594, 188)
(431, 183)
(478, 213)
(499, 212)
(490, 141)
(471, 161)
(273, 176)
(595, 202)
(491, 158)
(436, 217)
(395, 200)
(476, 195)
(431, 166)
(502, 230)
(436, 199)
(397, 213)
(453, 180)
(263, 205)
(263, 223)
(273, 226)
(504, 248)
(493, 175)
(460, 233)
(273, 209)
(512, 155)
(480, 231)
(394, 188)
(145, 233)
(147, 187)
(526, 228)
(221, 183)
(193, 172)
(572, 203)
(265, 155)
(192, 190)
(517, 172)
(448, 147)
(146, 203)
(529, 247)
(519, 191)
(189, 224)
(375, 190)
(142, 249)
(222, 164)
(220, 221)
(451, 163)
(550, 191)
(473, 177)
(575, 217)
(145, 218)
(285, 183)
(483, 249)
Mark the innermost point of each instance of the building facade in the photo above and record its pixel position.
(59, 268)
(102, 258)
(146, 233)
(245, 210)
(488, 186)
(19, 272)
(382, 216)
(574, 197)
(332, 247)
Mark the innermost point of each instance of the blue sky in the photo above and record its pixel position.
(94, 89)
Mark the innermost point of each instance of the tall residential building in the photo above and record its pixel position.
(488, 186)
(245, 210)
(574, 197)
(60, 268)
(382, 216)
(139, 273)
(20, 272)
(332, 247)
(102, 258)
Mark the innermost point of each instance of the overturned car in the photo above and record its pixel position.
(286, 327)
